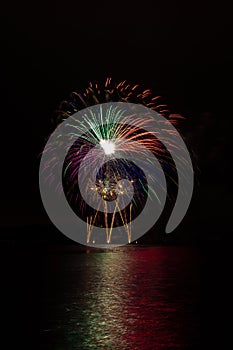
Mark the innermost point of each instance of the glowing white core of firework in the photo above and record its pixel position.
(108, 146)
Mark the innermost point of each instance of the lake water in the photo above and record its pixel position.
(142, 298)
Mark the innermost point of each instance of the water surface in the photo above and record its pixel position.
(140, 298)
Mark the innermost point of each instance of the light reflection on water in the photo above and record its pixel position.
(144, 298)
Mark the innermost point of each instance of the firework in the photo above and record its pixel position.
(101, 148)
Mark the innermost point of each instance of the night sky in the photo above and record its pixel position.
(181, 51)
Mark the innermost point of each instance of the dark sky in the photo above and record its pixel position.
(179, 49)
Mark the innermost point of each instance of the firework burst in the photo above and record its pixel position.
(101, 157)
